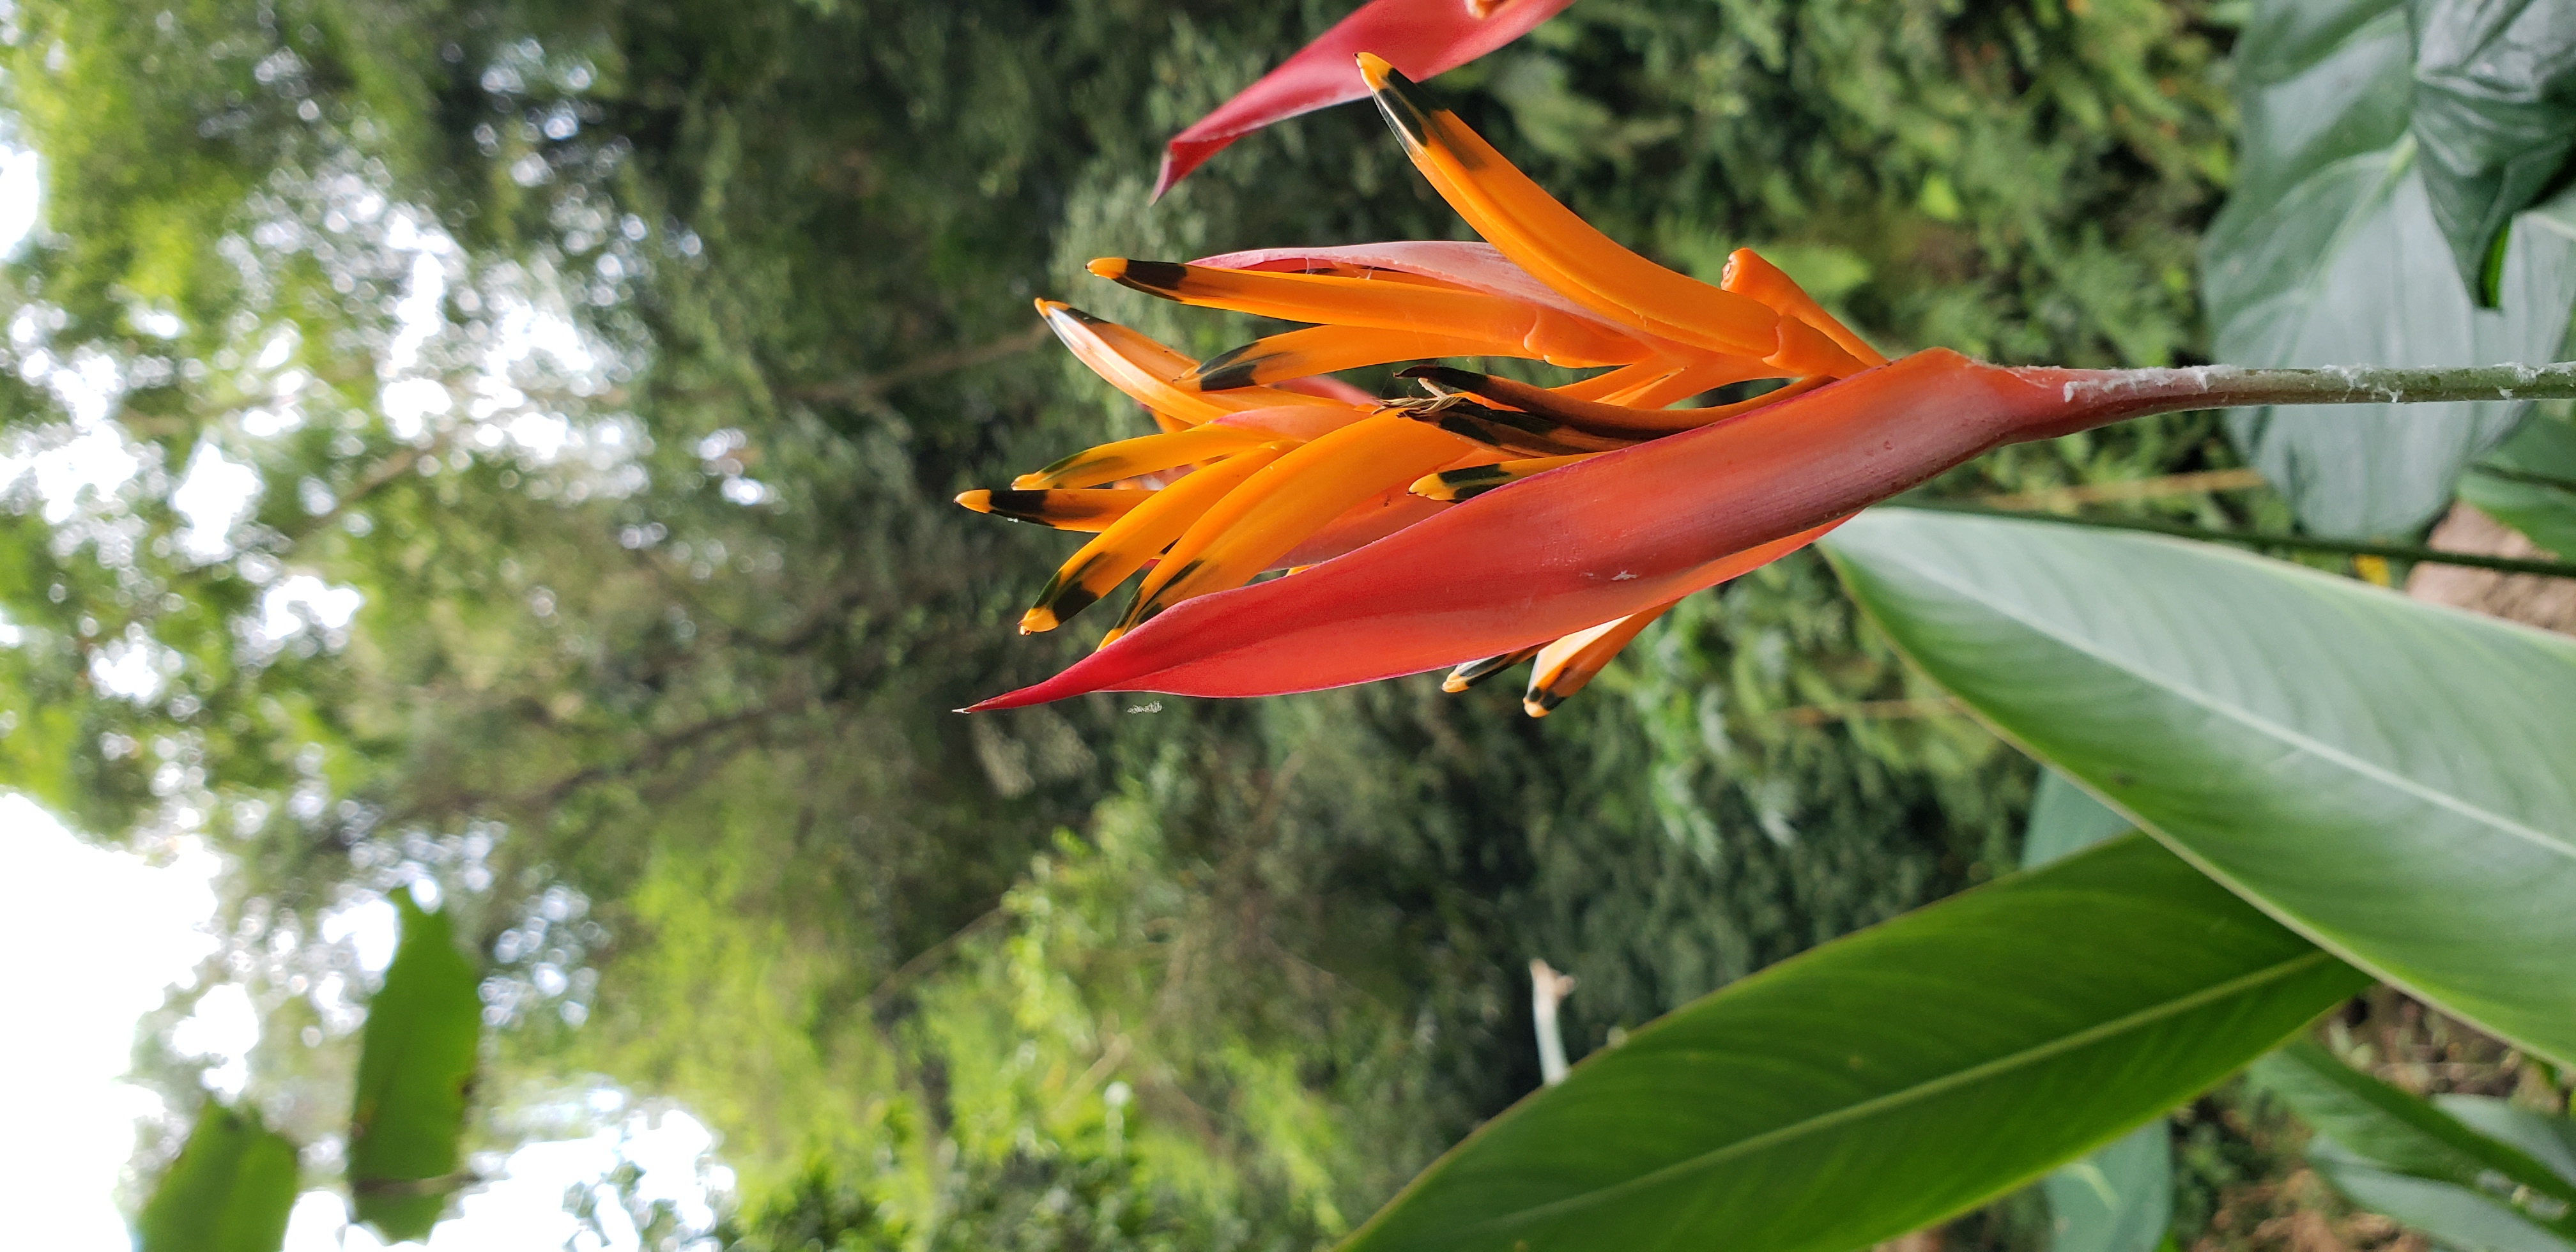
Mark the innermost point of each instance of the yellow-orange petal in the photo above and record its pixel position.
(1327, 299)
(1614, 421)
(1806, 352)
(1324, 349)
(1088, 511)
(1567, 665)
(1748, 274)
(1467, 482)
(1553, 243)
(1144, 454)
(1474, 672)
(1143, 368)
(1265, 519)
(1126, 545)
(1526, 433)
(1699, 376)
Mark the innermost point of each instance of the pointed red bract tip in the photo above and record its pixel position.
(1421, 37)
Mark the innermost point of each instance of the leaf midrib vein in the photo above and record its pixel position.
(1920, 1091)
(2246, 717)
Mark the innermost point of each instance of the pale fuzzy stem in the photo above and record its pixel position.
(2231, 386)
(1548, 988)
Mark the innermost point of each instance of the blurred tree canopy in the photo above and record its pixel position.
(595, 377)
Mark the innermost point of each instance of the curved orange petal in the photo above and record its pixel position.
(1556, 246)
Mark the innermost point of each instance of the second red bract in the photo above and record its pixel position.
(1420, 37)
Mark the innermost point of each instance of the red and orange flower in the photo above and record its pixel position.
(1488, 521)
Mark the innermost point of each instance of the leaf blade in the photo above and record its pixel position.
(2428, 1165)
(416, 1064)
(1795, 1109)
(2271, 724)
(231, 1189)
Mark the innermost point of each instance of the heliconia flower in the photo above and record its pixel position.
(1429, 37)
(1490, 521)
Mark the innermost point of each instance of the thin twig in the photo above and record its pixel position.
(2250, 539)
(1820, 714)
(869, 386)
(918, 961)
(2136, 489)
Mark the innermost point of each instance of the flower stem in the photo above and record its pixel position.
(2139, 391)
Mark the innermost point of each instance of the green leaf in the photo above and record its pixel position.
(230, 1190)
(2529, 483)
(2494, 114)
(1890, 1078)
(2330, 252)
(2119, 1199)
(415, 1076)
(2389, 777)
(2064, 819)
(2458, 1218)
(2440, 1169)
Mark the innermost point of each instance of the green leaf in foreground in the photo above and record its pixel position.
(2473, 1173)
(2120, 1197)
(415, 1074)
(230, 1190)
(2529, 483)
(1890, 1078)
(2388, 777)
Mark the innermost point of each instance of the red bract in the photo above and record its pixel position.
(1422, 38)
(1618, 534)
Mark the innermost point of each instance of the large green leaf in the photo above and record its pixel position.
(2391, 778)
(2494, 114)
(230, 1190)
(415, 1076)
(2473, 1173)
(2530, 484)
(2119, 1198)
(1890, 1078)
(2330, 252)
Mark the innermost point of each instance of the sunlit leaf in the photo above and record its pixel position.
(2387, 776)
(415, 1077)
(1890, 1078)
(2329, 252)
(2472, 1172)
(230, 1190)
